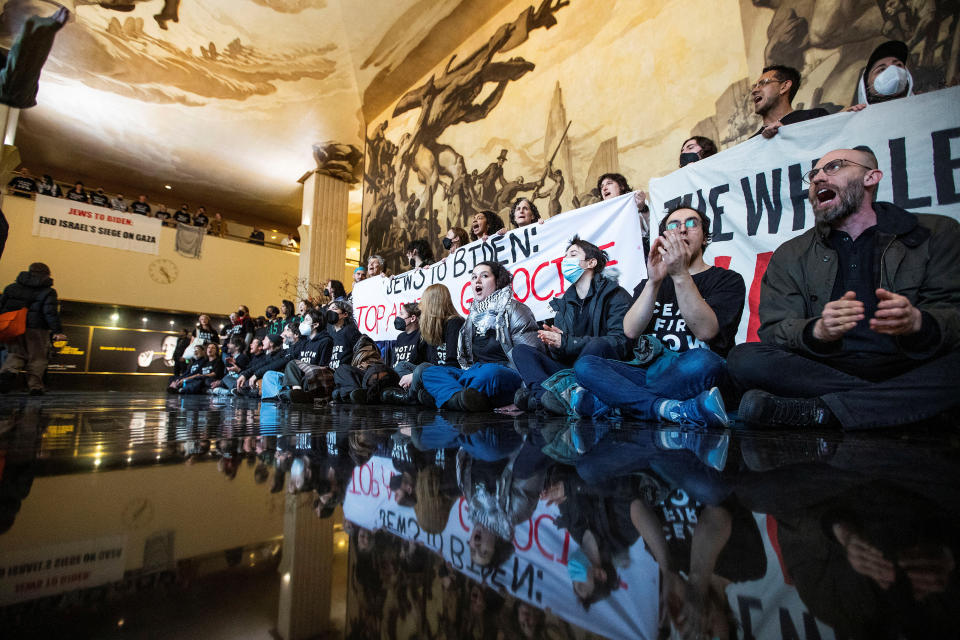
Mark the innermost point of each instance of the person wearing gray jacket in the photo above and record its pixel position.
(860, 315)
(496, 324)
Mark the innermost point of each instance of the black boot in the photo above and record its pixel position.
(394, 395)
(468, 399)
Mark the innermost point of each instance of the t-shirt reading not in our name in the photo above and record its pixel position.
(722, 289)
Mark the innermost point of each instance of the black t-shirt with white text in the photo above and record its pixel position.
(445, 353)
(22, 183)
(722, 289)
(206, 336)
(77, 197)
(140, 207)
(182, 217)
(215, 367)
(200, 220)
(408, 347)
(162, 215)
(343, 341)
(99, 199)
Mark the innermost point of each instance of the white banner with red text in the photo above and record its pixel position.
(537, 572)
(79, 222)
(532, 253)
(756, 199)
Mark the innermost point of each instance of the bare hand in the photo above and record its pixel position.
(675, 253)
(838, 317)
(656, 268)
(550, 336)
(854, 107)
(928, 569)
(241, 381)
(501, 232)
(895, 315)
(60, 337)
(771, 130)
(640, 199)
(406, 381)
(864, 558)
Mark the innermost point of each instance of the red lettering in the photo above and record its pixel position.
(563, 282)
(753, 323)
(460, 514)
(526, 277)
(722, 261)
(366, 320)
(354, 483)
(604, 247)
(464, 303)
(516, 537)
(536, 534)
(533, 283)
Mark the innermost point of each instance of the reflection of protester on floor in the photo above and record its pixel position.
(34, 291)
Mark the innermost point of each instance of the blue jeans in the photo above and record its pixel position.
(536, 366)
(495, 381)
(635, 390)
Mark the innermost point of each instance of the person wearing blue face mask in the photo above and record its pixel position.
(686, 314)
(588, 321)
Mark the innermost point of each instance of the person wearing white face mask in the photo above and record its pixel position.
(886, 76)
(304, 373)
(588, 321)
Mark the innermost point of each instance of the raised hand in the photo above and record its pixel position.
(550, 336)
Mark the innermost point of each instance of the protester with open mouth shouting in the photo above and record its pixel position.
(496, 324)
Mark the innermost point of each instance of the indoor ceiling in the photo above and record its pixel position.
(226, 103)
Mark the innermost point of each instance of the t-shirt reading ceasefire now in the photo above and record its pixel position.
(724, 292)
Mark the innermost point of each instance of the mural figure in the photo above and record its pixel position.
(22, 64)
(448, 98)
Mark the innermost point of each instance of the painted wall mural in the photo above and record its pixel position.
(544, 98)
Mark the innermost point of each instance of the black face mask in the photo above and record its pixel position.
(332, 317)
(327, 293)
(447, 243)
(687, 158)
(413, 262)
(399, 324)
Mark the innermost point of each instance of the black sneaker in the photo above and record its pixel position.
(521, 399)
(299, 396)
(468, 399)
(393, 395)
(358, 396)
(552, 404)
(761, 409)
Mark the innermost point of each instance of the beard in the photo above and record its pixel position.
(851, 198)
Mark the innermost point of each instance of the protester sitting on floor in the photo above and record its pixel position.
(409, 349)
(192, 370)
(205, 332)
(696, 148)
(211, 370)
(860, 315)
(365, 376)
(419, 253)
(690, 312)
(32, 290)
(588, 321)
(484, 225)
(343, 331)
(237, 360)
(273, 358)
(456, 237)
(497, 323)
(308, 374)
(440, 326)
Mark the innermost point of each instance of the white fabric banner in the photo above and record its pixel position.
(532, 253)
(79, 222)
(756, 200)
(537, 572)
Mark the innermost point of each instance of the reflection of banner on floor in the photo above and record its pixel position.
(79, 222)
(532, 253)
(537, 572)
(756, 199)
(45, 571)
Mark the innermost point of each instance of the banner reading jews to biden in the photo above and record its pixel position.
(80, 222)
(756, 199)
(537, 571)
(532, 253)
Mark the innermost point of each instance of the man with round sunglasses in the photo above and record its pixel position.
(859, 316)
(686, 315)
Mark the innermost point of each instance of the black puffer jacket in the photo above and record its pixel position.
(606, 307)
(35, 292)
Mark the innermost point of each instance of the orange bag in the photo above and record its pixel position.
(13, 324)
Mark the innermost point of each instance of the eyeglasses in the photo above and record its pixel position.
(831, 168)
(689, 223)
(763, 82)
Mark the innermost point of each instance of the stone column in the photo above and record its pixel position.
(306, 570)
(323, 229)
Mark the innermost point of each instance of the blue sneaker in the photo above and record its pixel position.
(705, 410)
(711, 448)
(588, 405)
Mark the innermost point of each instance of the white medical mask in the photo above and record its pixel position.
(571, 269)
(306, 328)
(891, 81)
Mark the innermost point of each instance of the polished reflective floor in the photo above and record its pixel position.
(153, 516)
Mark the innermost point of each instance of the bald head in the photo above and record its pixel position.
(840, 181)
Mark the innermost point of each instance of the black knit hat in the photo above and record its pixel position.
(890, 48)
